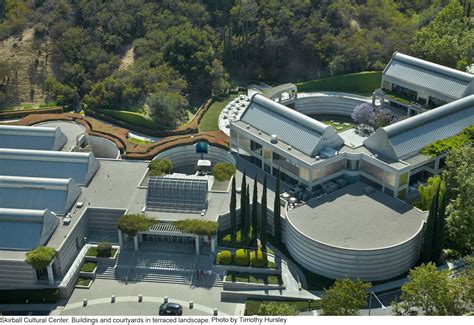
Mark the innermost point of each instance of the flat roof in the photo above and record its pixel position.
(352, 218)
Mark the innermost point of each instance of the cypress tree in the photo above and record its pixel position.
(276, 211)
(248, 213)
(255, 210)
(233, 214)
(243, 201)
(263, 215)
(427, 248)
(438, 237)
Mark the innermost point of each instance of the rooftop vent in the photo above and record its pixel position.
(289, 147)
(248, 126)
(259, 132)
(274, 138)
(317, 158)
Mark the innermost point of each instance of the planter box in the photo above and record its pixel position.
(104, 259)
(229, 285)
(78, 286)
(245, 269)
(88, 274)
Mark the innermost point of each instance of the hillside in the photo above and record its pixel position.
(30, 61)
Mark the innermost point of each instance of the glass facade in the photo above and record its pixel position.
(373, 171)
(403, 179)
(353, 165)
(256, 147)
(389, 179)
(285, 163)
(334, 168)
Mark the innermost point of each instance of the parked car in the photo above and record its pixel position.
(171, 308)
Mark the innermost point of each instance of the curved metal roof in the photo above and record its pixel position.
(27, 137)
(49, 164)
(22, 229)
(446, 81)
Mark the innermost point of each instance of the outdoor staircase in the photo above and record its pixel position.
(210, 277)
(147, 266)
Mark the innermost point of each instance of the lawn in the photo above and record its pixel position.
(139, 141)
(88, 267)
(252, 306)
(339, 123)
(132, 118)
(83, 281)
(209, 121)
(361, 83)
(253, 278)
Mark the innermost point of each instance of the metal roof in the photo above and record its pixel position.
(57, 195)
(446, 81)
(27, 137)
(412, 134)
(185, 193)
(22, 229)
(49, 164)
(292, 127)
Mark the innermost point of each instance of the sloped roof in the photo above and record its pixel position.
(412, 134)
(292, 127)
(27, 137)
(269, 93)
(48, 164)
(57, 195)
(443, 80)
(22, 229)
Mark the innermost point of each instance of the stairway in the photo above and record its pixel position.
(210, 278)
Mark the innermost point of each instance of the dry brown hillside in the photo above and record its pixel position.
(31, 59)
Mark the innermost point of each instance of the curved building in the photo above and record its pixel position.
(355, 232)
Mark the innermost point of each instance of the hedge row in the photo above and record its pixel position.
(34, 296)
(6, 115)
(243, 257)
(190, 128)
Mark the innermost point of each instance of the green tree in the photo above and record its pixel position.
(459, 175)
(255, 210)
(166, 106)
(427, 247)
(131, 224)
(438, 236)
(345, 297)
(277, 211)
(158, 167)
(433, 293)
(273, 308)
(243, 209)
(447, 40)
(263, 215)
(223, 171)
(427, 192)
(248, 214)
(41, 257)
(233, 214)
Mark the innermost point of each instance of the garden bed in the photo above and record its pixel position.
(84, 283)
(88, 269)
(249, 281)
(252, 306)
(91, 255)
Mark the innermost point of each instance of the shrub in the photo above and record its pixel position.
(224, 258)
(41, 257)
(104, 249)
(158, 167)
(456, 141)
(223, 171)
(133, 223)
(258, 259)
(277, 309)
(241, 257)
(197, 227)
(362, 113)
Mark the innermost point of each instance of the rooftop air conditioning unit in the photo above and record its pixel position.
(274, 138)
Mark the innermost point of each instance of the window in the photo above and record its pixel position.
(334, 168)
(404, 92)
(352, 165)
(285, 163)
(403, 179)
(256, 147)
(390, 179)
(373, 171)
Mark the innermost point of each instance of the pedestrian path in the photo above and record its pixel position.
(209, 277)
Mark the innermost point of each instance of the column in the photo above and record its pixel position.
(213, 244)
(196, 240)
(120, 238)
(49, 268)
(135, 242)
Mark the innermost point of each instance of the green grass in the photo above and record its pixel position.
(252, 305)
(132, 118)
(139, 141)
(93, 252)
(209, 121)
(361, 83)
(253, 278)
(83, 281)
(327, 118)
(88, 267)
